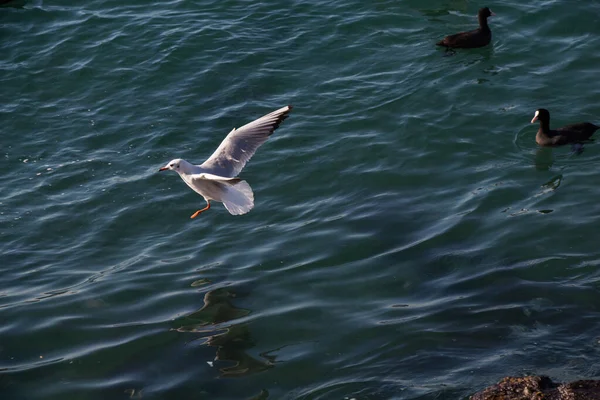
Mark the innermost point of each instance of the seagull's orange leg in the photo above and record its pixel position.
(194, 215)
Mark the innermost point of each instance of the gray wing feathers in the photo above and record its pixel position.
(241, 144)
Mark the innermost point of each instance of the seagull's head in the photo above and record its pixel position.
(177, 165)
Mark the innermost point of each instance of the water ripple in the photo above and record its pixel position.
(409, 239)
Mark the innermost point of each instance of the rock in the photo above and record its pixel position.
(539, 388)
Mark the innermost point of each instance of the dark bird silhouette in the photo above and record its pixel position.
(467, 40)
(569, 134)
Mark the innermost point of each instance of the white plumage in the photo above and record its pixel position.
(216, 178)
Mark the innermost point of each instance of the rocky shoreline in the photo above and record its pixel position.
(539, 388)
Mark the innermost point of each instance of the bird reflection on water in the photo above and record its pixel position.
(232, 345)
(217, 309)
(543, 159)
(231, 341)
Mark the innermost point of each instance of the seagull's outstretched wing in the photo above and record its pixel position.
(241, 144)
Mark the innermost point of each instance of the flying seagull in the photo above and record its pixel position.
(216, 179)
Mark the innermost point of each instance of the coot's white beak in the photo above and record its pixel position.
(535, 117)
(492, 14)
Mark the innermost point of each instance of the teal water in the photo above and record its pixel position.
(409, 240)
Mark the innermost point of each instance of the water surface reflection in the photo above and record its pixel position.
(232, 342)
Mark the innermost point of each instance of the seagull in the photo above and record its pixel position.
(216, 178)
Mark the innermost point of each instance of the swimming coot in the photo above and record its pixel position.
(477, 38)
(569, 134)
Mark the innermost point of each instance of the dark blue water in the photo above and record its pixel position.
(409, 240)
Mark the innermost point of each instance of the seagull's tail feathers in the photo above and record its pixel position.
(237, 196)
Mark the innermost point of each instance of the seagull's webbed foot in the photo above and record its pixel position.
(194, 215)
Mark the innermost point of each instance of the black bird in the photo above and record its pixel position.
(569, 134)
(467, 40)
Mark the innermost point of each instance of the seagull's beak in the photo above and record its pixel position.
(163, 169)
